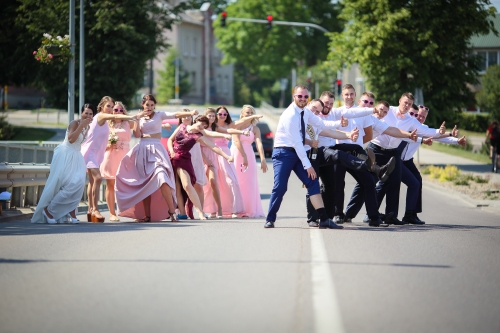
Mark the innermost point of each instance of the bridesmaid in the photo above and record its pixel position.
(145, 177)
(64, 188)
(211, 190)
(114, 154)
(179, 146)
(247, 176)
(93, 153)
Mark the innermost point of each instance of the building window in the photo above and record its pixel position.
(185, 50)
(225, 85)
(487, 59)
(492, 58)
(218, 84)
(193, 82)
(193, 47)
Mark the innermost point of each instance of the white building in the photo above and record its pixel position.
(188, 38)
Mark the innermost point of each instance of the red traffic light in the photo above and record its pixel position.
(224, 14)
(339, 82)
(269, 18)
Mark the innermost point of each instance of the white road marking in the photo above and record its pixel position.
(327, 316)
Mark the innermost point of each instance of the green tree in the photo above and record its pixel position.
(120, 36)
(488, 98)
(272, 54)
(402, 45)
(166, 83)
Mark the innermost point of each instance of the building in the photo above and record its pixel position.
(488, 47)
(188, 37)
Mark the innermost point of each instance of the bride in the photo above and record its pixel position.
(64, 188)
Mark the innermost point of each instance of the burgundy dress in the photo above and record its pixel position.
(183, 142)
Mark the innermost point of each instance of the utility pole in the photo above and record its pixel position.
(206, 18)
(81, 85)
(71, 65)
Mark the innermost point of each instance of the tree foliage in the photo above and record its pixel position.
(120, 36)
(272, 54)
(402, 45)
(166, 83)
(488, 98)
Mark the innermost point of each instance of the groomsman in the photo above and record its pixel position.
(289, 155)
(385, 147)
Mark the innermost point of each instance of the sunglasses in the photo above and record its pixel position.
(424, 107)
(367, 102)
(119, 110)
(302, 96)
(222, 114)
(413, 114)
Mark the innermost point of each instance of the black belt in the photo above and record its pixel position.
(287, 148)
(382, 148)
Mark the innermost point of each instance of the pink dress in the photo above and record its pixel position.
(113, 157)
(209, 204)
(94, 147)
(248, 180)
(230, 193)
(197, 160)
(142, 171)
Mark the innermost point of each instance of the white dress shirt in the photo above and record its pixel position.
(378, 127)
(335, 114)
(404, 122)
(288, 133)
(412, 147)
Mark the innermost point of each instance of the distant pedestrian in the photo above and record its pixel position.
(493, 137)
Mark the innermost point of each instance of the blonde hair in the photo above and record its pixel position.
(117, 103)
(103, 101)
(248, 106)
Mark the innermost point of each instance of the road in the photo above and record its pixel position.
(235, 276)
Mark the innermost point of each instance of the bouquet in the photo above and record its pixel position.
(113, 138)
(53, 48)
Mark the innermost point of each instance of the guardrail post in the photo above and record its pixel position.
(31, 195)
(15, 199)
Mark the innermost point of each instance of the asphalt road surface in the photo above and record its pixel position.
(235, 276)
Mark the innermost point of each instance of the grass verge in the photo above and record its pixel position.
(456, 151)
(31, 134)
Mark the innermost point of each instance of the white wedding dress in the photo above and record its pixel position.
(66, 183)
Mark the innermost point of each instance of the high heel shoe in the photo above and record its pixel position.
(89, 216)
(97, 219)
(49, 220)
(72, 220)
(173, 217)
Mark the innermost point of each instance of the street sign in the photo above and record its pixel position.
(284, 83)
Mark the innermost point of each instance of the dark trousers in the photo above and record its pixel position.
(393, 183)
(326, 159)
(284, 162)
(411, 177)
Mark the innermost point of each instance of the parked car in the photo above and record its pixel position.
(267, 139)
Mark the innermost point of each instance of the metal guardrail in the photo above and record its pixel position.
(26, 181)
(27, 151)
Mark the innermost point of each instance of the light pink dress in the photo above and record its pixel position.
(230, 193)
(94, 147)
(113, 157)
(248, 180)
(198, 166)
(209, 205)
(142, 171)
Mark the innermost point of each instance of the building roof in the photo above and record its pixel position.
(490, 40)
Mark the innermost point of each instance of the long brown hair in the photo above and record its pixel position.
(103, 101)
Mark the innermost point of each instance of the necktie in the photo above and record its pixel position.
(302, 127)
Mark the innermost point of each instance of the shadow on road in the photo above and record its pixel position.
(26, 228)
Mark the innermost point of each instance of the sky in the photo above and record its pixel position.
(496, 3)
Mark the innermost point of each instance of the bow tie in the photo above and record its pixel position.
(400, 115)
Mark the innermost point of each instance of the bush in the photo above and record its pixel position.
(6, 129)
(475, 122)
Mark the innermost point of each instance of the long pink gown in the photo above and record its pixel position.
(113, 156)
(142, 171)
(248, 179)
(230, 193)
(209, 204)
(94, 147)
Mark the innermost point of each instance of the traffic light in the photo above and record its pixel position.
(339, 87)
(223, 19)
(269, 22)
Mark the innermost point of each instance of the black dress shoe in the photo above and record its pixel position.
(347, 219)
(313, 224)
(387, 216)
(377, 222)
(412, 219)
(366, 219)
(423, 222)
(329, 224)
(395, 221)
(383, 172)
(269, 224)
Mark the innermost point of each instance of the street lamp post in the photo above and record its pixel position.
(206, 17)
(81, 76)
(71, 65)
